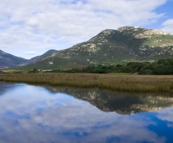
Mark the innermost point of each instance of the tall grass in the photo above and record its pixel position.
(138, 83)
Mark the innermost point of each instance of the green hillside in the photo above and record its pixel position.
(41, 57)
(112, 47)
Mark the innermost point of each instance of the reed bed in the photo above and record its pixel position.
(133, 83)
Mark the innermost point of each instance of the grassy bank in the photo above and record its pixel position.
(138, 83)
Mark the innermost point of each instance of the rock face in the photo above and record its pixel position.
(145, 31)
(149, 33)
(127, 28)
(129, 43)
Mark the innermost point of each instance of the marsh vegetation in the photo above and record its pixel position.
(135, 83)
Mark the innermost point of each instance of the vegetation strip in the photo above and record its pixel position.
(133, 83)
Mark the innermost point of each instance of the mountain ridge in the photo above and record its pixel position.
(126, 44)
(8, 61)
(46, 54)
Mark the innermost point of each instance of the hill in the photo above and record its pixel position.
(119, 46)
(10, 61)
(42, 57)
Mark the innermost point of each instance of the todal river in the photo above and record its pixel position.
(37, 114)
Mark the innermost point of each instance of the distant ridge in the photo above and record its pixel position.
(9, 61)
(41, 57)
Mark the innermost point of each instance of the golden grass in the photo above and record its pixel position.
(138, 83)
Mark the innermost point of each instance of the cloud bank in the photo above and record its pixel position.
(29, 25)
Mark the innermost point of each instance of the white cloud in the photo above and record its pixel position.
(30, 53)
(27, 23)
(168, 25)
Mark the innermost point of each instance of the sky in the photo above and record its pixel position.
(31, 27)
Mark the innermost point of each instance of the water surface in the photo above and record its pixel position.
(35, 114)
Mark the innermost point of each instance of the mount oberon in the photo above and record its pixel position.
(126, 44)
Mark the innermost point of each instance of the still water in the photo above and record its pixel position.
(36, 114)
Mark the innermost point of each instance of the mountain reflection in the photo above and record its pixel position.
(6, 87)
(34, 114)
(121, 103)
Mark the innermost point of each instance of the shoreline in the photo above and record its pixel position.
(113, 82)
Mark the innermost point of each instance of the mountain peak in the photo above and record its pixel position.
(103, 34)
(126, 28)
(51, 50)
(107, 32)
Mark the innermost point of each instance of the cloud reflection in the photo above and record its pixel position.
(166, 114)
(33, 114)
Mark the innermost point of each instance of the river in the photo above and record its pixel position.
(40, 114)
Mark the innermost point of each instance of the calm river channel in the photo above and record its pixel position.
(40, 114)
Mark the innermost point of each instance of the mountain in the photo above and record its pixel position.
(42, 57)
(119, 46)
(10, 61)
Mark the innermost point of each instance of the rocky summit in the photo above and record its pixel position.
(129, 43)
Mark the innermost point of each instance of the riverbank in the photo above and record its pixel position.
(132, 83)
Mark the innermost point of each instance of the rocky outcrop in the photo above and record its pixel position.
(150, 33)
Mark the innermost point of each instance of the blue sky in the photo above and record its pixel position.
(31, 27)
